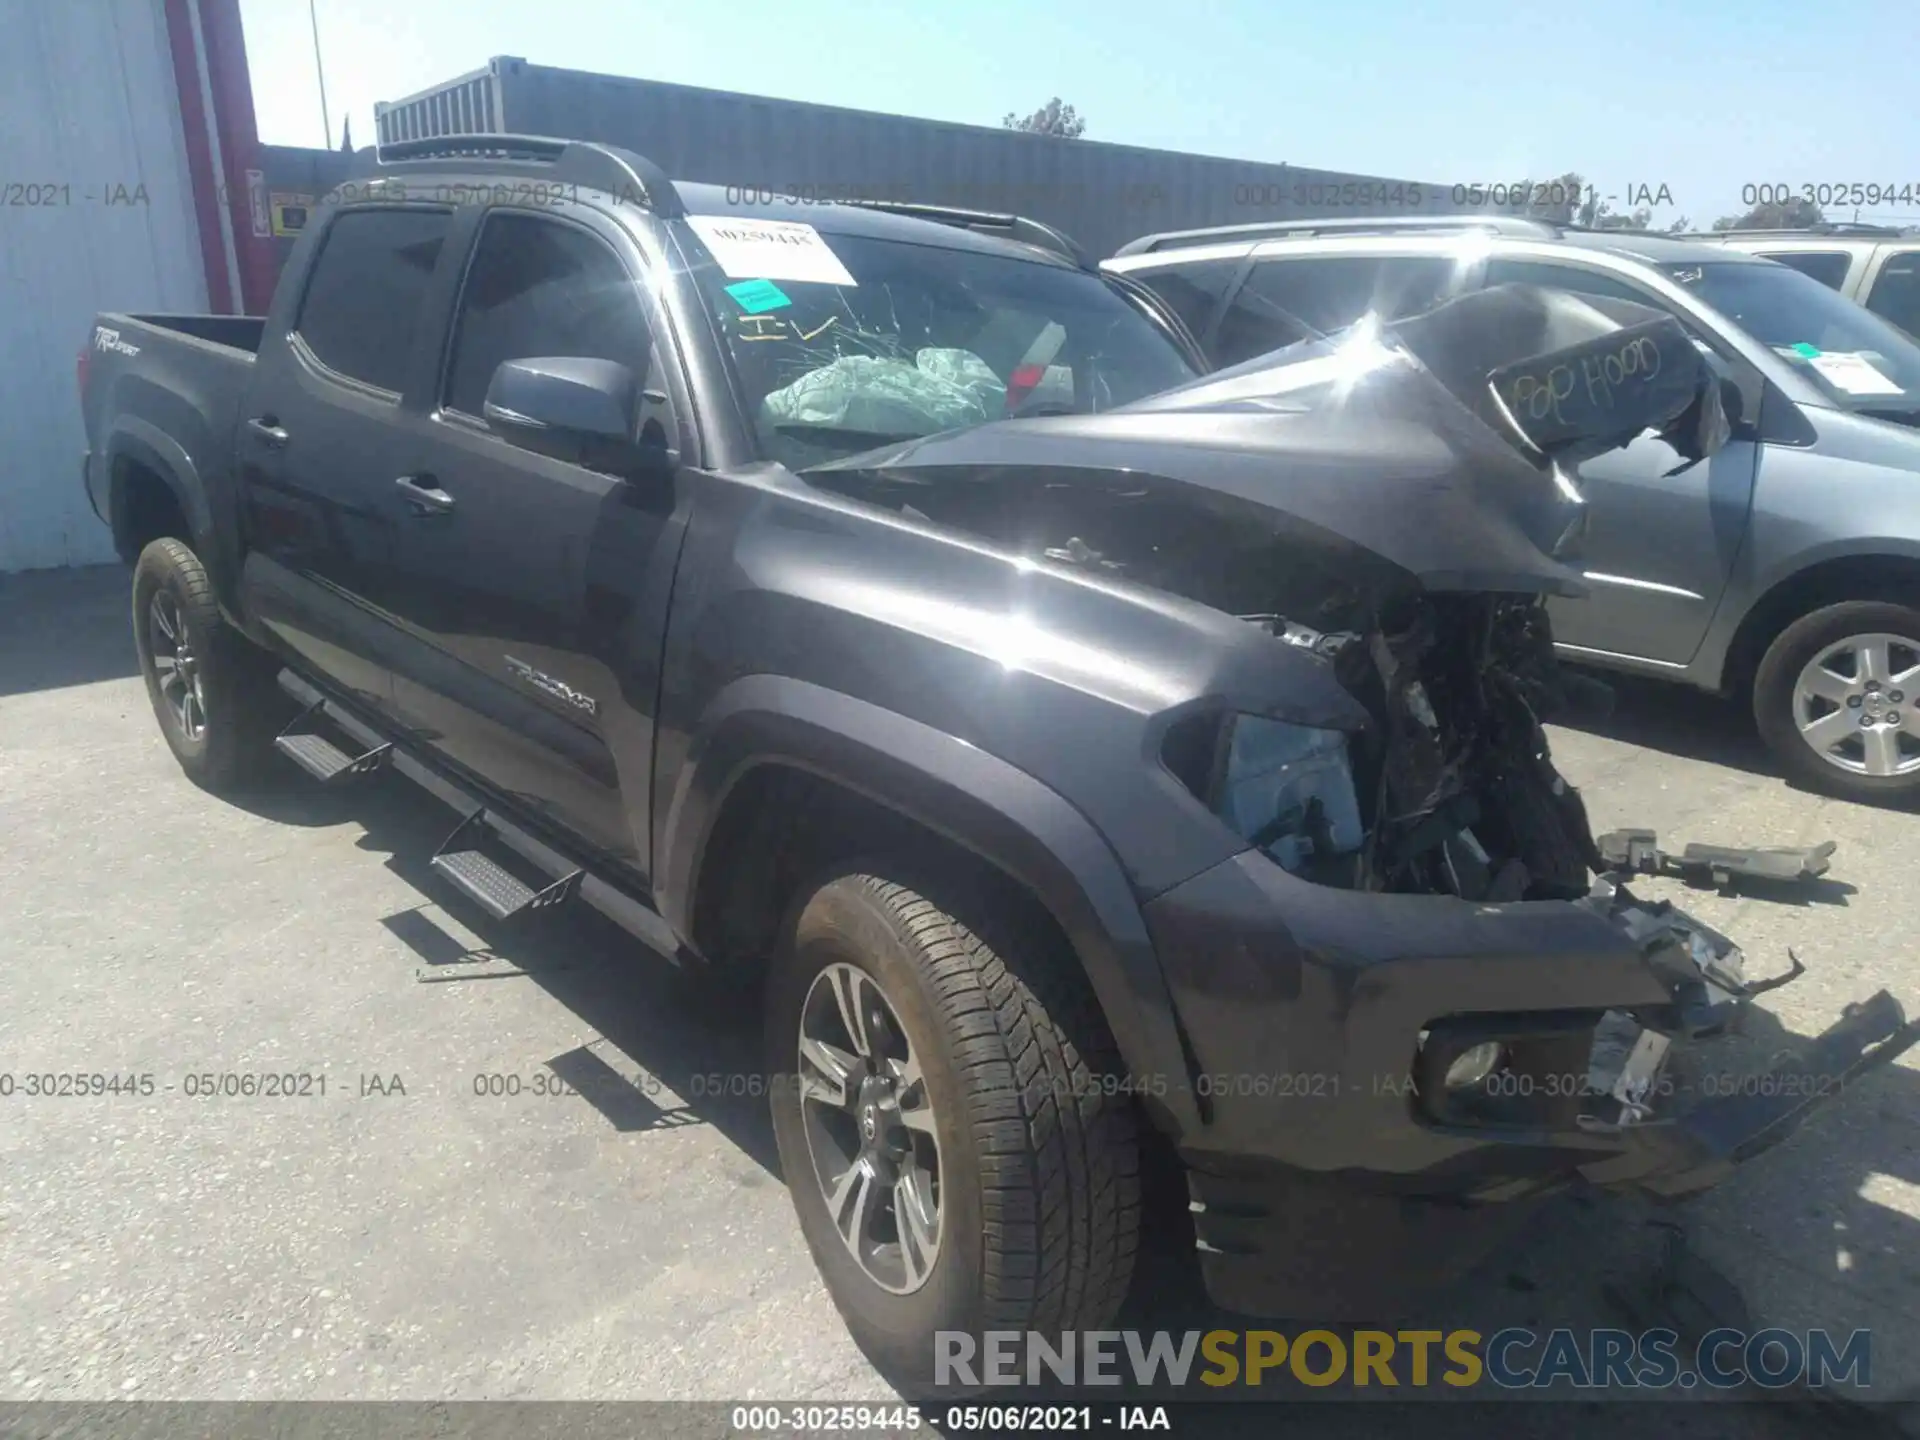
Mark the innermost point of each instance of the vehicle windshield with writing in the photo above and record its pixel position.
(882, 339)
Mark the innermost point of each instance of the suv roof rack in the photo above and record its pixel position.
(1342, 225)
(1016, 227)
(578, 162)
(1839, 228)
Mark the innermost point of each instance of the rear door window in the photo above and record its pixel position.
(1287, 299)
(367, 291)
(1896, 291)
(1578, 279)
(1193, 291)
(1829, 267)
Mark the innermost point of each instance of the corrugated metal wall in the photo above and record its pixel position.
(98, 214)
(1101, 194)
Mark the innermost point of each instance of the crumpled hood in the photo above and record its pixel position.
(1353, 444)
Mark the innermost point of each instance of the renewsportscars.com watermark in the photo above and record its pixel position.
(1510, 1359)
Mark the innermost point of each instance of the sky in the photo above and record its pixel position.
(1702, 99)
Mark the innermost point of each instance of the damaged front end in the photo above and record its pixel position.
(1424, 986)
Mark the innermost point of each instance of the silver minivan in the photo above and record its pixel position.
(1786, 568)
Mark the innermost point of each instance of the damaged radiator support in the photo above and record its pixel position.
(1461, 797)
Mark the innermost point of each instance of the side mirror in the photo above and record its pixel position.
(1732, 401)
(568, 395)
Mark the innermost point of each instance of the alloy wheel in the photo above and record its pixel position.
(870, 1128)
(1855, 704)
(175, 665)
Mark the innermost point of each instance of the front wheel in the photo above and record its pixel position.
(959, 1156)
(212, 689)
(1837, 699)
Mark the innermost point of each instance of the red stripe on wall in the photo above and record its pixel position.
(200, 169)
(239, 146)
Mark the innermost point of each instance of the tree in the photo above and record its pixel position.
(1610, 219)
(1568, 200)
(1560, 199)
(1795, 214)
(1052, 118)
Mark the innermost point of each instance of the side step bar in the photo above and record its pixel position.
(489, 884)
(634, 916)
(314, 753)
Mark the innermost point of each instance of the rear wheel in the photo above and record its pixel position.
(1837, 699)
(212, 689)
(959, 1155)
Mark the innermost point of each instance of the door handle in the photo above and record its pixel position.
(426, 497)
(267, 432)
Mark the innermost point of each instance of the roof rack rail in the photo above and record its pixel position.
(1824, 227)
(586, 163)
(1017, 227)
(1340, 225)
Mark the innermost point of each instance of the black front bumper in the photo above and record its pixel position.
(1319, 1169)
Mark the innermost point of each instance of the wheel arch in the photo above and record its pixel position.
(146, 464)
(1890, 571)
(769, 746)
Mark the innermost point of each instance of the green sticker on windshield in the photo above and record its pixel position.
(1812, 352)
(757, 295)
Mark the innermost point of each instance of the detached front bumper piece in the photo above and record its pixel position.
(1337, 1159)
(1699, 1147)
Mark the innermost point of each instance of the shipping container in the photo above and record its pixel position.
(1101, 194)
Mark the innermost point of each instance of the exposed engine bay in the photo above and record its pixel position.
(1454, 792)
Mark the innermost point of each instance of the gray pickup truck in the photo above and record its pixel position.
(870, 605)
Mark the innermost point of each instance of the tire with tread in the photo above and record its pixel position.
(243, 705)
(1040, 1155)
(1773, 696)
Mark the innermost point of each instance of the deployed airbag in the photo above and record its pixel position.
(942, 389)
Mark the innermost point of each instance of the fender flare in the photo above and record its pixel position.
(132, 438)
(1000, 813)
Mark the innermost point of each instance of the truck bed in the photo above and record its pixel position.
(235, 332)
(177, 377)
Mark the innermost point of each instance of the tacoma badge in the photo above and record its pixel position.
(559, 689)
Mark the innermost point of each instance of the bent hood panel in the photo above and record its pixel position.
(1350, 445)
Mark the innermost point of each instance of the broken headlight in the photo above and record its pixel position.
(1288, 789)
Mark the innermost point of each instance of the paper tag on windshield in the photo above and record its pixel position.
(770, 250)
(1853, 374)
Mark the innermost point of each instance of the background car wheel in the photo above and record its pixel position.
(1837, 699)
(958, 1155)
(212, 689)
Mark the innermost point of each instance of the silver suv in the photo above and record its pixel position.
(1786, 568)
(1873, 265)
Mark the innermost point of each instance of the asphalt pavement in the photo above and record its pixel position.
(528, 1168)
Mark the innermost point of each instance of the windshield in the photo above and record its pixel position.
(925, 338)
(1855, 358)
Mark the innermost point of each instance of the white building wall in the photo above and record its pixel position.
(87, 102)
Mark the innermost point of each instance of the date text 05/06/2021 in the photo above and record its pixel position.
(956, 1419)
